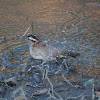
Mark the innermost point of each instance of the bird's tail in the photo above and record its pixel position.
(72, 54)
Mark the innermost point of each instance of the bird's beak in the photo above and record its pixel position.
(27, 38)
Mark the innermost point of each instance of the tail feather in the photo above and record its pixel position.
(72, 54)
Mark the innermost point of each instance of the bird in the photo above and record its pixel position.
(41, 50)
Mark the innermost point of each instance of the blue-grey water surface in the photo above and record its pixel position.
(67, 25)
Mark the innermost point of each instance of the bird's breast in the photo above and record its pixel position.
(45, 53)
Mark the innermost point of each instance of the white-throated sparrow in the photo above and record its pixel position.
(41, 50)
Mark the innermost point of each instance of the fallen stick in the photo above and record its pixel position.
(26, 31)
(40, 92)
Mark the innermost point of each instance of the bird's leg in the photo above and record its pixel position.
(41, 60)
(59, 60)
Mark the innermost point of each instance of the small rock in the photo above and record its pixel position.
(2, 90)
(36, 78)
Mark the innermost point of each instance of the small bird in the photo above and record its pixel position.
(43, 51)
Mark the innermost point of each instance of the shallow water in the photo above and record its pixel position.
(71, 26)
(65, 24)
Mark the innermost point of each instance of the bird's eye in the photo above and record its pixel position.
(69, 53)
